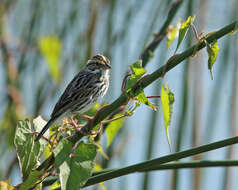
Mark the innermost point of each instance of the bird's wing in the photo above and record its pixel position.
(77, 91)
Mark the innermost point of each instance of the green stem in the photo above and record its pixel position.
(162, 33)
(158, 161)
(181, 165)
(123, 99)
(170, 166)
(146, 81)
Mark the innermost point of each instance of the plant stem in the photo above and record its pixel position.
(175, 165)
(158, 161)
(123, 99)
(146, 81)
(145, 56)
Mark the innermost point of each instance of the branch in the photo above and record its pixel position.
(175, 165)
(145, 56)
(169, 166)
(158, 161)
(146, 81)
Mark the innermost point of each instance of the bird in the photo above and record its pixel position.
(85, 89)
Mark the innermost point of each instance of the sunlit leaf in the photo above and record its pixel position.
(113, 128)
(184, 29)
(47, 151)
(76, 169)
(212, 51)
(142, 98)
(172, 33)
(138, 71)
(5, 185)
(39, 123)
(137, 68)
(55, 185)
(101, 151)
(51, 48)
(167, 100)
(28, 151)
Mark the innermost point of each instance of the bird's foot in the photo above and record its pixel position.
(88, 133)
(74, 124)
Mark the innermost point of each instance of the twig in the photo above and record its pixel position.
(145, 56)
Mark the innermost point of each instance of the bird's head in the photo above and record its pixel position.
(98, 63)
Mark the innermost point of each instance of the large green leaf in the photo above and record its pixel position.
(78, 167)
(184, 29)
(32, 180)
(62, 152)
(167, 100)
(28, 151)
(212, 51)
(113, 128)
(51, 48)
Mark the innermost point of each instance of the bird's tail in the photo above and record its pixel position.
(48, 124)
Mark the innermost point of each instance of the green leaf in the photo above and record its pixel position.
(28, 151)
(76, 170)
(55, 185)
(167, 100)
(39, 123)
(31, 180)
(5, 185)
(142, 98)
(51, 47)
(138, 71)
(62, 152)
(212, 51)
(184, 29)
(101, 151)
(137, 68)
(172, 33)
(113, 128)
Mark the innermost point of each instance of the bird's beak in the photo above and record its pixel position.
(108, 66)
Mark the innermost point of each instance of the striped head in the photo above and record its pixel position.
(98, 63)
